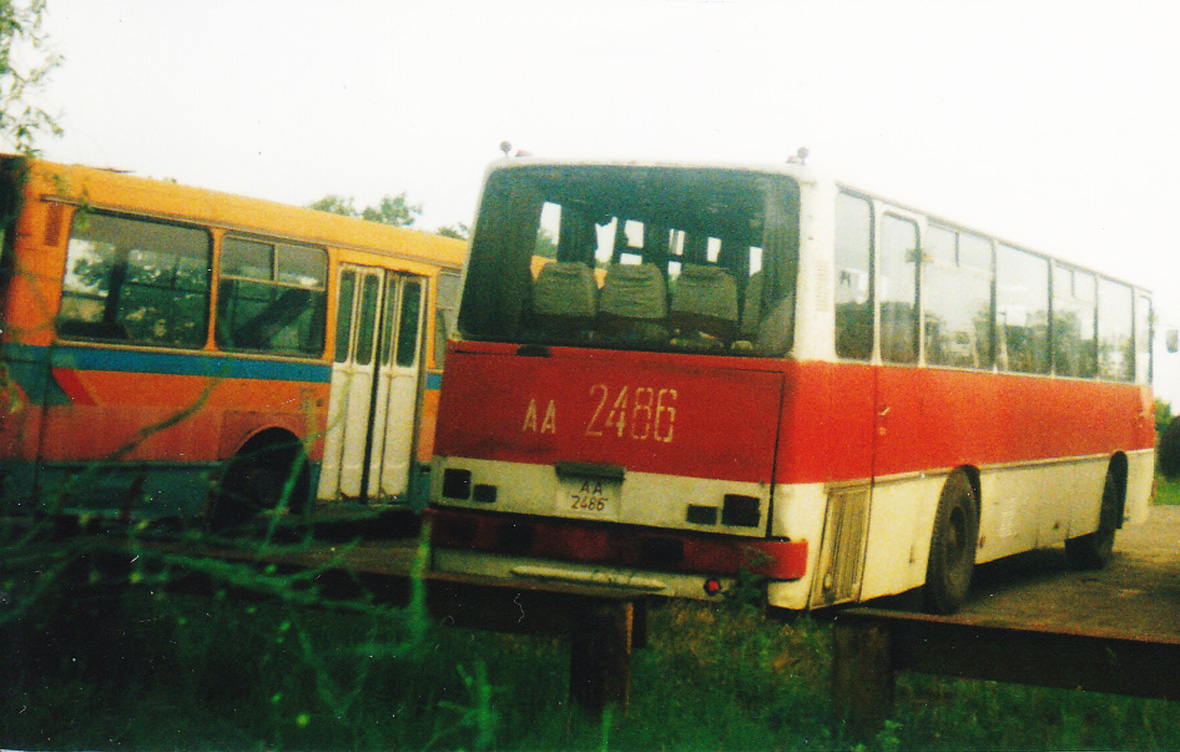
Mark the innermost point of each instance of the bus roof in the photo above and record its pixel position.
(115, 190)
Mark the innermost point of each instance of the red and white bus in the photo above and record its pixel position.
(169, 351)
(725, 370)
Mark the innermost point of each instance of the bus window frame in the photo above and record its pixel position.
(112, 332)
(319, 311)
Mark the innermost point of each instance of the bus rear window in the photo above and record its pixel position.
(642, 258)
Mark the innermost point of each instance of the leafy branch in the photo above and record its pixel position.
(26, 61)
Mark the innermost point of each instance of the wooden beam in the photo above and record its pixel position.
(862, 676)
(871, 645)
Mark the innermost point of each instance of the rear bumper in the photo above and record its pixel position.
(622, 546)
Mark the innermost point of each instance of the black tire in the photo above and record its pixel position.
(256, 482)
(1094, 551)
(952, 547)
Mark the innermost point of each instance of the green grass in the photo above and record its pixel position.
(93, 662)
(188, 672)
(1167, 491)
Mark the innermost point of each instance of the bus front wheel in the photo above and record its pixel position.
(1094, 551)
(952, 547)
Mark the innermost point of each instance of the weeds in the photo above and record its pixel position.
(255, 669)
(148, 648)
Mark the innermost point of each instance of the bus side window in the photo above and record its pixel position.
(1022, 311)
(444, 319)
(1116, 340)
(1074, 304)
(271, 297)
(1144, 324)
(957, 298)
(854, 303)
(134, 280)
(897, 286)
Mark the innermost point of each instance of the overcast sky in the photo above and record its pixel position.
(1054, 124)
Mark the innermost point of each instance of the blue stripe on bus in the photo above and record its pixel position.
(170, 363)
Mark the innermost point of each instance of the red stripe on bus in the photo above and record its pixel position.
(708, 417)
(67, 379)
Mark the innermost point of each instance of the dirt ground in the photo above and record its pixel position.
(1138, 593)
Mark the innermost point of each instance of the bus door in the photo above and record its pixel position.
(374, 393)
(856, 416)
(397, 388)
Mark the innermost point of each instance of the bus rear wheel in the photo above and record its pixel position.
(952, 547)
(1094, 551)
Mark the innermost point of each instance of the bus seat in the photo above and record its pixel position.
(634, 291)
(704, 299)
(633, 294)
(565, 291)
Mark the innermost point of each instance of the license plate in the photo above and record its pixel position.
(597, 498)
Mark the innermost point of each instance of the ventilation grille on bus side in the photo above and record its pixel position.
(841, 559)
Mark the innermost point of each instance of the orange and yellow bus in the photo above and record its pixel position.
(169, 351)
(761, 370)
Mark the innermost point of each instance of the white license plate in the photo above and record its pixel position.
(597, 498)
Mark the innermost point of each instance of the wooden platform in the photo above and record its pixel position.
(1032, 620)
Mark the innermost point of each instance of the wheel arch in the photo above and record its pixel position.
(266, 444)
(265, 438)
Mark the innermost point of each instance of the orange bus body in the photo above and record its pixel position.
(135, 418)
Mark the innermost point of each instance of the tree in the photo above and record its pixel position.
(25, 64)
(392, 210)
(458, 231)
(334, 204)
(1168, 454)
(546, 244)
(1167, 431)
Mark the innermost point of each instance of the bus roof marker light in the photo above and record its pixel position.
(712, 587)
(506, 147)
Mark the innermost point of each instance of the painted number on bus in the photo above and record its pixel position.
(641, 413)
